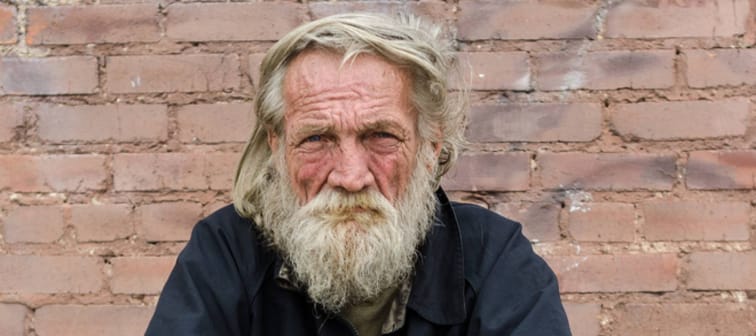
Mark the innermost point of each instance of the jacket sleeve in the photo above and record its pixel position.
(520, 295)
(204, 294)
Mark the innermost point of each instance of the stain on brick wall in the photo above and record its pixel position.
(622, 134)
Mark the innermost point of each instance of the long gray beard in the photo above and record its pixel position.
(346, 248)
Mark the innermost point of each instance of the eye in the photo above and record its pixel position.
(313, 138)
(383, 135)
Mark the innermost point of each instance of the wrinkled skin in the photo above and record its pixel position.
(348, 127)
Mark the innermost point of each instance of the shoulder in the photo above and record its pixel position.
(495, 246)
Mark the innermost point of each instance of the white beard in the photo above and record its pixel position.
(346, 248)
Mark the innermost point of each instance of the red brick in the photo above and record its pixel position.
(716, 67)
(51, 75)
(99, 123)
(49, 274)
(433, 11)
(254, 62)
(616, 273)
(172, 73)
(494, 71)
(681, 120)
(210, 123)
(696, 220)
(490, 171)
(540, 221)
(11, 117)
(584, 318)
(169, 221)
(535, 122)
(525, 20)
(26, 173)
(605, 70)
(140, 275)
(722, 270)
(220, 169)
(686, 18)
(603, 222)
(8, 29)
(92, 24)
(105, 222)
(233, 21)
(685, 319)
(94, 320)
(607, 171)
(711, 170)
(174, 171)
(12, 317)
(34, 224)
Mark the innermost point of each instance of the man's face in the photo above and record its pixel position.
(347, 127)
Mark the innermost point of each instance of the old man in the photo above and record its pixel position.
(339, 226)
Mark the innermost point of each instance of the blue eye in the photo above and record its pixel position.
(383, 135)
(313, 138)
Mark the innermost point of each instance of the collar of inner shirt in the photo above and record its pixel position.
(394, 320)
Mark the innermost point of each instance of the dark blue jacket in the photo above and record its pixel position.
(477, 275)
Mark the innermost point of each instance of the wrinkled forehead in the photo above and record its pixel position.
(316, 71)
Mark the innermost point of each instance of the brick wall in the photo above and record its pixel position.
(621, 133)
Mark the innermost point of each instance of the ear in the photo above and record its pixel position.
(272, 140)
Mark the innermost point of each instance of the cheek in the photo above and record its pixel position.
(308, 173)
(392, 174)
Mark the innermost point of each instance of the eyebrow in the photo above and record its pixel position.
(322, 128)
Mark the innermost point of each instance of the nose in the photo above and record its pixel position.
(351, 172)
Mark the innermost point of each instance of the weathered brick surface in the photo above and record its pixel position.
(168, 221)
(12, 317)
(540, 221)
(8, 28)
(534, 122)
(172, 73)
(714, 67)
(11, 117)
(27, 173)
(660, 19)
(50, 274)
(603, 222)
(620, 134)
(233, 21)
(712, 170)
(696, 220)
(174, 171)
(490, 171)
(682, 120)
(141, 275)
(215, 122)
(611, 171)
(494, 71)
(722, 270)
(605, 70)
(92, 24)
(616, 273)
(46, 76)
(33, 224)
(435, 11)
(253, 63)
(683, 319)
(60, 123)
(515, 20)
(84, 320)
(583, 317)
(103, 222)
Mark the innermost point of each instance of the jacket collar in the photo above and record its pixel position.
(438, 291)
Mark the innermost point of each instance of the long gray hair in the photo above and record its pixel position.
(406, 41)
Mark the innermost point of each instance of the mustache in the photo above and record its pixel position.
(344, 206)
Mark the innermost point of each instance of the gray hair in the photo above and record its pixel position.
(406, 41)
